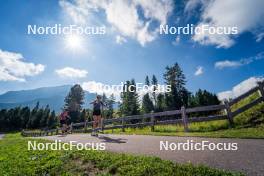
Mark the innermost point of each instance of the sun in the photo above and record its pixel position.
(74, 42)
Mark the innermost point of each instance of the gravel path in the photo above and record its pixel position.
(249, 158)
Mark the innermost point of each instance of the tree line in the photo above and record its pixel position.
(156, 102)
(131, 103)
(24, 118)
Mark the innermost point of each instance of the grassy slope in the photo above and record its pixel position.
(248, 124)
(15, 159)
(252, 116)
(253, 132)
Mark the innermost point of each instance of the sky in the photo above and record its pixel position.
(132, 46)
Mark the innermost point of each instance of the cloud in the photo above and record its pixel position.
(69, 72)
(177, 40)
(75, 12)
(199, 71)
(241, 62)
(124, 16)
(101, 88)
(260, 37)
(227, 63)
(120, 40)
(244, 14)
(191, 5)
(241, 88)
(13, 68)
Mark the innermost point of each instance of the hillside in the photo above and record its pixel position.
(251, 117)
(52, 96)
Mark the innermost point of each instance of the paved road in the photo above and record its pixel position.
(1, 136)
(249, 158)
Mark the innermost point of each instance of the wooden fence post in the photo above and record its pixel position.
(261, 89)
(152, 120)
(229, 113)
(123, 124)
(184, 119)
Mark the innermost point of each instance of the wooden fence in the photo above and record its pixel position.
(157, 118)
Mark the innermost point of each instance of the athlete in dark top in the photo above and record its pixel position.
(97, 114)
(97, 106)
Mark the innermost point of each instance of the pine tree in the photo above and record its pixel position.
(33, 121)
(25, 115)
(160, 103)
(15, 118)
(3, 119)
(154, 83)
(129, 99)
(124, 106)
(104, 100)
(147, 81)
(45, 116)
(52, 120)
(39, 116)
(179, 95)
(134, 99)
(147, 104)
(74, 101)
(83, 115)
(9, 118)
(110, 106)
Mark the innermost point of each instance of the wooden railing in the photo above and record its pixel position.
(157, 118)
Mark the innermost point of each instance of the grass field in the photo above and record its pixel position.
(202, 129)
(16, 159)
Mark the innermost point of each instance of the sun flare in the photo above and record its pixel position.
(74, 42)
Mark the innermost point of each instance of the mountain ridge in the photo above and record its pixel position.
(52, 96)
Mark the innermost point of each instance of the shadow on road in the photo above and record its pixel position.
(112, 140)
